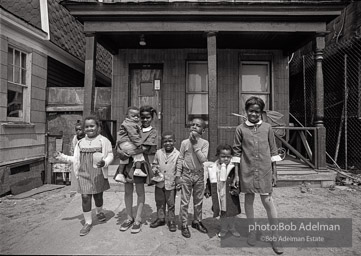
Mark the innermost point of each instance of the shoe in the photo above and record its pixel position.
(126, 224)
(252, 238)
(157, 223)
(235, 233)
(185, 231)
(120, 178)
(85, 229)
(277, 247)
(199, 226)
(139, 173)
(101, 217)
(136, 228)
(222, 233)
(172, 226)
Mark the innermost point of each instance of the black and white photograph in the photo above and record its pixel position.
(180, 127)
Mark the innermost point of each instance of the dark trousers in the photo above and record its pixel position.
(165, 198)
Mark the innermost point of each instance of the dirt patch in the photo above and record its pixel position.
(19, 217)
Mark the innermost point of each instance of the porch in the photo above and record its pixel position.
(164, 37)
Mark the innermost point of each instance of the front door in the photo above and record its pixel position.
(145, 89)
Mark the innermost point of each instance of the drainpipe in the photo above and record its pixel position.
(44, 15)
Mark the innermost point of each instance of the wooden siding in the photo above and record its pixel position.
(174, 80)
(24, 141)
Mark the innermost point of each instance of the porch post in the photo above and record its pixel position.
(212, 92)
(89, 74)
(319, 115)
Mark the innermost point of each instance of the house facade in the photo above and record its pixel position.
(42, 61)
(205, 58)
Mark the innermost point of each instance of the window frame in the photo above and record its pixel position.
(188, 92)
(268, 93)
(26, 87)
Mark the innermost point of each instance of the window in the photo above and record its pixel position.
(255, 81)
(17, 88)
(197, 90)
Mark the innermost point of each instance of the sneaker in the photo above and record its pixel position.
(120, 178)
(222, 233)
(277, 247)
(101, 217)
(126, 224)
(136, 228)
(235, 233)
(85, 229)
(252, 238)
(139, 173)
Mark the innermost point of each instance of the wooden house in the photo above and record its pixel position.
(205, 58)
(42, 63)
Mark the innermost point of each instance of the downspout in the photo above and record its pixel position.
(44, 15)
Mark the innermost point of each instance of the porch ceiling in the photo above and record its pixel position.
(285, 25)
(288, 42)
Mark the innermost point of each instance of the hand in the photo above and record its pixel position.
(207, 194)
(235, 182)
(101, 164)
(178, 187)
(56, 154)
(193, 137)
(123, 155)
(274, 179)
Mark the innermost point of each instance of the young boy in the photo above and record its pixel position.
(129, 139)
(165, 163)
(190, 174)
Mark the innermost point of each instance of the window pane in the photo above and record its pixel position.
(10, 56)
(23, 60)
(255, 77)
(10, 73)
(197, 77)
(17, 58)
(17, 75)
(262, 96)
(15, 101)
(23, 76)
(197, 106)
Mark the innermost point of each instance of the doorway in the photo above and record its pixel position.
(145, 82)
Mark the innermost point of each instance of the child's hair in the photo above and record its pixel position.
(202, 120)
(255, 101)
(149, 109)
(78, 123)
(131, 108)
(223, 147)
(92, 117)
(168, 133)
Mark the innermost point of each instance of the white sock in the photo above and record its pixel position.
(88, 217)
(99, 209)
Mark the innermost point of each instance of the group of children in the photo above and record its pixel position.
(247, 166)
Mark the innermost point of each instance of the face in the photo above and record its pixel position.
(168, 143)
(79, 131)
(254, 113)
(146, 118)
(91, 128)
(197, 125)
(224, 156)
(133, 115)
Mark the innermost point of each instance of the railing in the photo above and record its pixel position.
(312, 154)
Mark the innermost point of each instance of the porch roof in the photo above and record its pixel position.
(247, 24)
